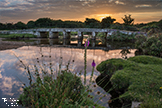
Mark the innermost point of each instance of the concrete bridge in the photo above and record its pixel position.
(53, 33)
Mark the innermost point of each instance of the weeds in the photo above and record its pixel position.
(62, 91)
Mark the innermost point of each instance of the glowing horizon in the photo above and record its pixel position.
(78, 10)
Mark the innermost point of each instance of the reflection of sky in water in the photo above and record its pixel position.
(12, 71)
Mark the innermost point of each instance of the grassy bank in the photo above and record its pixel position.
(17, 36)
(138, 78)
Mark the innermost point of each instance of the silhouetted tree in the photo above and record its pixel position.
(2, 26)
(20, 25)
(43, 22)
(128, 20)
(160, 24)
(92, 23)
(106, 22)
(31, 24)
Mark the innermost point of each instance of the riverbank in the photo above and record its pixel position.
(135, 79)
(4, 45)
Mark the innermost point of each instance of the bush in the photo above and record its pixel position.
(130, 28)
(139, 40)
(124, 27)
(118, 36)
(147, 28)
(151, 45)
(67, 89)
(117, 26)
(135, 79)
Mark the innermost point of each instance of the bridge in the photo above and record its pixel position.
(53, 33)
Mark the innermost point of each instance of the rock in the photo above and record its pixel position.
(135, 104)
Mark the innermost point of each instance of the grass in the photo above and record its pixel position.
(117, 36)
(17, 35)
(63, 90)
(139, 77)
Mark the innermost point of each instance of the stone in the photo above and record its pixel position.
(135, 104)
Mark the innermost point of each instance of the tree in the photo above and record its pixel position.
(160, 24)
(92, 23)
(128, 20)
(2, 26)
(31, 24)
(106, 22)
(43, 22)
(20, 25)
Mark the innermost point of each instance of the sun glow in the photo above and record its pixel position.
(101, 16)
(98, 16)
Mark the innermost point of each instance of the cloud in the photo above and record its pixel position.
(143, 5)
(118, 2)
(25, 10)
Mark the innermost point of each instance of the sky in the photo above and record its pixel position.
(143, 11)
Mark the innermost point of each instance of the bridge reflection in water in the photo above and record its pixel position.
(76, 42)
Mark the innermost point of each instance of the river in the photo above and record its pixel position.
(12, 71)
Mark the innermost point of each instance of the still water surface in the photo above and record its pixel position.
(12, 71)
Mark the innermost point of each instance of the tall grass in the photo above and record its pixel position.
(63, 90)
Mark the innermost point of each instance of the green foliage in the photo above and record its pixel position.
(107, 21)
(139, 77)
(117, 26)
(92, 23)
(101, 35)
(150, 45)
(140, 25)
(31, 24)
(43, 22)
(20, 25)
(124, 27)
(153, 28)
(118, 36)
(159, 24)
(128, 20)
(17, 36)
(130, 28)
(139, 40)
(146, 60)
(54, 92)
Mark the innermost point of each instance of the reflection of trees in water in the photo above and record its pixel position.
(124, 53)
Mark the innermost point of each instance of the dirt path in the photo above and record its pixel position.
(4, 45)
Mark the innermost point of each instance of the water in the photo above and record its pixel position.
(12, 71)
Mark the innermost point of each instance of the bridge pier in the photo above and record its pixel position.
(66, 41)
(66, 35)
(37, 34)
(80, 42)
(94, 35)
(80, 35)
(53, 41)
(42, 34)
(108, 34)
(93, 43)
(53, 35)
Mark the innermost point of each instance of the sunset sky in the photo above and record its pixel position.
(77, 10)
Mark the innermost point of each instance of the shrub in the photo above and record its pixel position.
(151, 45)
(147, 28)
(117, 26)
(130, 28)
(118, 36)
(58, 88)
(135, 79)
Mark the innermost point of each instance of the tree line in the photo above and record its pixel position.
(48, 22)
